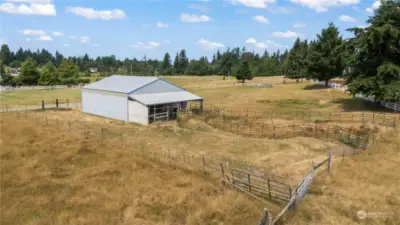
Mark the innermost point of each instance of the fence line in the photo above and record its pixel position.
(297, 195)
(390, 105)
(21, 88)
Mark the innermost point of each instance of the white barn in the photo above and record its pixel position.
(135, 99)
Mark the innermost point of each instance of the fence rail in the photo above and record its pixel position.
(21, 88)
(390, 105)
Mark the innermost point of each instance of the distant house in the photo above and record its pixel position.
(136, 99)
(14, 71)
(93, 69)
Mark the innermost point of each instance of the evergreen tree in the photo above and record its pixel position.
(244, 72)
(6, 79)
(29, 72)
(294, 64)
(324, 60)
(68, 69)
(5, 54)
(374, 55)
(48, 75)
(166, 64)
(183, 62)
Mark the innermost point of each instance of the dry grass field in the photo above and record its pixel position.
(369, 182)
(67, 167)
(51, 176)
(288, 97)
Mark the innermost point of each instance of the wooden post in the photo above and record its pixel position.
(329, 161)
(223, 173)
(290, 192)
(373, 117)
(269, 190)
(262, 130)
(42, 105)
(67, 103)
(233, 179)
(56, 102)
(274, 131)
(329, 117)
(248, 178)
(204, 166)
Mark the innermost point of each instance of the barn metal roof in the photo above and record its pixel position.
(164, 98)
(122, 84)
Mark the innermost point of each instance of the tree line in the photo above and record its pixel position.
(369, 61)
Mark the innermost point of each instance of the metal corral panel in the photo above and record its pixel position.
(158, 86)
(138, 113)
(103, 103)
(123, 84)
(164, 98)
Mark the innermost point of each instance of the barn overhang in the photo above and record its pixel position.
(164, 98)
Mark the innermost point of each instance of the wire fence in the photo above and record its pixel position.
(395, 106)
(384, 119)
(355, 138)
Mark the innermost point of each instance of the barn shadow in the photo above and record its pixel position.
(359, 105)
(315, 87)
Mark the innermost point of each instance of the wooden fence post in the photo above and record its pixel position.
(223, 173)
(67, 103)
(42, 105)
(269, 190)
(248, 178)
(274, 131)
(56, 102)
(329, 161)
(204, 166)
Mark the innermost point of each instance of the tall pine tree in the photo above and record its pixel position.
(48, 75)
(374, 62)
(325, 58)
(29, 72)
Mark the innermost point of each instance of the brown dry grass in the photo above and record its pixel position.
(369, 181)
(51, 176)
(276, 158)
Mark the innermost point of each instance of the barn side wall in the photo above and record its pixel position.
(158, 86)
(103, 103)
(138, 113)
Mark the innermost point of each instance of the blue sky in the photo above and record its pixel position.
(132, 28)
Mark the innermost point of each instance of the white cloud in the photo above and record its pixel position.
(355, 8)
(148, 45)
(346, 18)
(72, 37)
(33, 32)
(280, 10)
(67, 45)
(261, 19)
(188, 18)
(84, 39)
(209, 44)
(31, 1)
(162, 25)
(298, 25)
(374, 6)
(287, 34)
(253, 3)
(199, 7)
(32, 7)
(167, 42)
(262, 45)
(90, 13)
(44, 38)
(324, 5)
(58, 33)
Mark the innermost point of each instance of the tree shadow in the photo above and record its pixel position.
(360, 105)
(315, 87)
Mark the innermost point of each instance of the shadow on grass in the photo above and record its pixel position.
(315, 87)
(359, 105)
